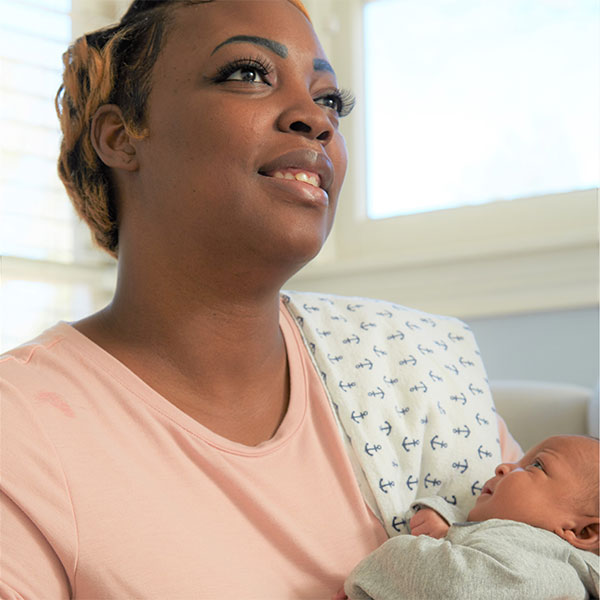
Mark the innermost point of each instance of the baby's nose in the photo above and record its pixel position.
(504, 468)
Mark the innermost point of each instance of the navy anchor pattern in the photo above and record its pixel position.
(410, 395)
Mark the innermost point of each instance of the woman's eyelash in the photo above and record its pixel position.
(261, 66)
(344, 101)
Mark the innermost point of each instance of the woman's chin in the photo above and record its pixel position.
(296, 248)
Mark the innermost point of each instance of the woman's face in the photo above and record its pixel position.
(244, 160)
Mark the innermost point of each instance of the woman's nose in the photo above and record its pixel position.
(308, 120)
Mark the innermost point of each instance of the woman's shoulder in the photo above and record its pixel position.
(32, 376)
(42, 372)
(53, 351)
(33, 353)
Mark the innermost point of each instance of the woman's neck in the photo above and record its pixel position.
(214, 355)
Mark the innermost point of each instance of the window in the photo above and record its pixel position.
(48, 270)
(474, 101)
(36, 220)
(538, 252)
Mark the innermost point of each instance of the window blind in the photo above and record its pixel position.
(36, 218)
(47, 271)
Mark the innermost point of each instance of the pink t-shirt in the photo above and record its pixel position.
(110, 491)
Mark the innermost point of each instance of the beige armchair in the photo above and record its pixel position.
(535, 410)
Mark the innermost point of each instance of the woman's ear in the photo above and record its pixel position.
(111, 140)
(584, 536)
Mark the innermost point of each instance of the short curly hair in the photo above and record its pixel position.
(109, 66)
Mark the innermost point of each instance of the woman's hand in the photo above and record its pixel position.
(427, 522)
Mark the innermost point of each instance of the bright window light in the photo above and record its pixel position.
(29, 307)
(40, 280)
(469, 102)
(36, 221)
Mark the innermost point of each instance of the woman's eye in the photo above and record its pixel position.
(329, 102)
(341, 101)
(248, 70)
(247, 74)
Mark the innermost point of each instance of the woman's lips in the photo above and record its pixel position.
(301, 164)
(301, 185)
(296, 174)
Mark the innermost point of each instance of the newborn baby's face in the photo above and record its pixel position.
(541, 489)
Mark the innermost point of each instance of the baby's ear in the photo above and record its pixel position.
(585, 535)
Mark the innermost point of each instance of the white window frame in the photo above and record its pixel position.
(528, 254)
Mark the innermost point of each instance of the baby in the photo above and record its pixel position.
(533, 533)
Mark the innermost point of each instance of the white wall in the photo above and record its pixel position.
(558, 346)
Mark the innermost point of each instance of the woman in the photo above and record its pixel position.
(180, 443)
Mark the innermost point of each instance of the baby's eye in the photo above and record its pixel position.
(537, 464)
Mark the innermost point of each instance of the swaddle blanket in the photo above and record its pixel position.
(411, 397)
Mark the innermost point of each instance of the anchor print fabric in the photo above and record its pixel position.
(411, 397)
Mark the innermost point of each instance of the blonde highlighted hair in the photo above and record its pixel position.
(109, 66)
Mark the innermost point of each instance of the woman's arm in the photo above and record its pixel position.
(38, 534)
(29, 567)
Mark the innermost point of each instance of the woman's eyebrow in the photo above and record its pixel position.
(322, 65)
(272, 45)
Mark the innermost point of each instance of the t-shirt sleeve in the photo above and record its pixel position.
(38, 533)
(29, 567)
(511, 450)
